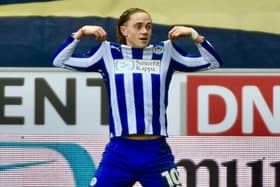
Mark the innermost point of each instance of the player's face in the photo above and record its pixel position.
(138, 30)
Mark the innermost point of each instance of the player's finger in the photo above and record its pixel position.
(171, 35)
(171, 32)
(200, 39)
(101, 35)
(174, 35)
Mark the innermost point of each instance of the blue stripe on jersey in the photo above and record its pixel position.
(156, 103)
(211, 50)
(122, 102)
(112, 125)
(138, 94)
(180, 67)
(156, 94)
(183, 52)
(137, 53)
(116, 51)
(139, 102)
(167, 84)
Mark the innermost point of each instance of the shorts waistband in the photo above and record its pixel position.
(141, 142)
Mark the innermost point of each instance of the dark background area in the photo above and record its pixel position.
(31, 41)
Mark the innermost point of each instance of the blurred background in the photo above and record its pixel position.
(245, 33)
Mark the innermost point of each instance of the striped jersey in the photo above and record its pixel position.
(137, 80)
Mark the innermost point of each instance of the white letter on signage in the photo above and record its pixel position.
(253, 97)
(203, 109)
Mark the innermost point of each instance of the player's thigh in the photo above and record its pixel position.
(112, 177)
(112, 174)
(97, 182)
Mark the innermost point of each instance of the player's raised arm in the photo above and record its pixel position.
(208, 58)
(65, 58)
(182, 31)
(91, 30)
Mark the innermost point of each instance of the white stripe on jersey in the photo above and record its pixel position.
(129, 94)
(164, 68)
(147, 91)
(187, 61)
(130, 103)
(112, 86)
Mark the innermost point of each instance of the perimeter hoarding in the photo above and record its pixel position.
(234, 105)
(48, 102)
(53, 131)
(51, 101)
(55, 101)
(58, 161)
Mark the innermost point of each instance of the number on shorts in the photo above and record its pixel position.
(172, 177)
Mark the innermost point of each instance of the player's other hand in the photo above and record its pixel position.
(183, 31)
(91, 30)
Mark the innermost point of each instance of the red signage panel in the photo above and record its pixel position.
(233, 105)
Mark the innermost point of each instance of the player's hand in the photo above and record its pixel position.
(182, 31)
(91, 30)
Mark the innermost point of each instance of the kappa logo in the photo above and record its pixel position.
(114, 47)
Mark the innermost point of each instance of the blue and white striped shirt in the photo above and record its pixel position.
(137, 80)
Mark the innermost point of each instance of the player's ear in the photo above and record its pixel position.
(123, 30)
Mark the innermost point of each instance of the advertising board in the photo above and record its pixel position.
(233, 105)
(55, 161)
(50, 101)
(223, 127)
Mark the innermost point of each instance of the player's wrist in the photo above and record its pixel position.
(78, 35)
(194, 34)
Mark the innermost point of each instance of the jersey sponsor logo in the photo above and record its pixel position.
(137, 66)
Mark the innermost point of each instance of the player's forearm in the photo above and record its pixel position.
(209, 53)
(64, 53)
